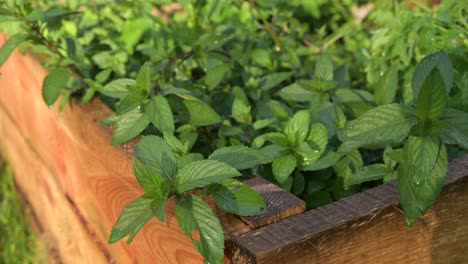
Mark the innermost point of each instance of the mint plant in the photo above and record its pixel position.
(423, 129)
(162, 175)
(299, 93)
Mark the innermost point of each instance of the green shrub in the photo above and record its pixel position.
(293, 91)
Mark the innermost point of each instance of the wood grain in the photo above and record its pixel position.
(369, 228)
(76, 155)
(281, 204)
(96, 180)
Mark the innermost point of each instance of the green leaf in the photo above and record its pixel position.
(176, 145)
(262, 123)
(215, 75)
(132, 31)
(157, 155)
(203, 172)
(10, 45)
(241, 112)
(187, 159)
(128, 126)
(283, 167)
(143, 80)
(297, 128)
(326, 161)
(438, 60)
(381, 126)
(273, 79)
(311, 150)
(239, 157)
(158, 207)
(150, 180)
(237, 198)
(368, 173)
(432, 100)
(278, 110)
(54, 83)
(160, 114)
(118, 88)
(276, 138)
(386, 89)
(324, 68)
(129, 103)
(455, 130)
(197, 220)
(131, 220)
(295, 92)
(63, 101)
(318, 85)
(201, 114)
(421, 175)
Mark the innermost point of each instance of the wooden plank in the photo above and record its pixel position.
(367, 228)
(69, 238)
(96, 178)
(281, 204)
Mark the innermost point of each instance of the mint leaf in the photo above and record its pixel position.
(203, 172)
(160, 114)
(326, 161)
(275, 137)
(132, 31)
(129, 103)
(439, 61)
(53, 85)
(455, 130)
(128, 126)
(215, 75)
(421, 175)
(237, 198)
(239, 157)
(297, 128)
(381, 126)
(273, 79)
(318, 139)
(283, 167)
(368, 173)
(175, 144)
(241, 112)
(157, 155)
(143, 80)
(324, 68)
(187, 159)
(197, 220)
(10, 45)
(295, 92)
(201, 114)
(432, 100)
(148, 179)
(131, 220)
(118, 88)
(262, 123)
(386, 89)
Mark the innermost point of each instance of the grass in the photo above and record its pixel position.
(18, 244)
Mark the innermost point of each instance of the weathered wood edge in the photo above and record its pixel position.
(281, 204)
(267, 242)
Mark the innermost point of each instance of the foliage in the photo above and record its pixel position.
(299, 92)
(17, 242)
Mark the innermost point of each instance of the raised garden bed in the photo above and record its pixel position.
(77, 185)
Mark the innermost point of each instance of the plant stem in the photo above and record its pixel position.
(267, 26)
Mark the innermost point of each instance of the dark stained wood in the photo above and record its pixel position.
(281, 204)
(367, 228)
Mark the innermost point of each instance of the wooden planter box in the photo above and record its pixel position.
(76, 185)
